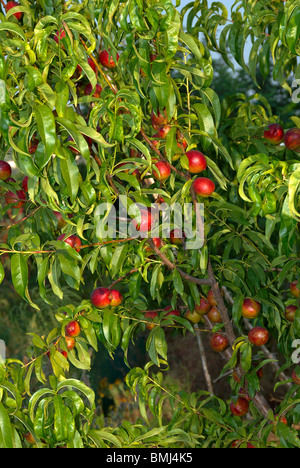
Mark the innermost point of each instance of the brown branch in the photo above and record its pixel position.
(259, 400)
(98, 161)
(112, 87)
(26, 252)
(100, 244)
(154, 310)
(221, 304)
(123, 277)
(172, 266)
(22, 220)
(112, 184)
(97, 244)
(214, 283)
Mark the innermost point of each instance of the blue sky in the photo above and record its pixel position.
(228, 4)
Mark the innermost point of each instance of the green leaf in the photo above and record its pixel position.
(98, 436)
(237, 308)
(60, 423)
(70, 173)
(62, 98)
(42, 271)
(19, 273)
(13, 28)
(69, 267)
(154, 281)
(53, 277)
(292, 32)
(96, 136)
(246, 357)
(294, 186)
(206, 123)
(6, 430)
(47, 131)
(178, 283)
(40, 394)
(117, 259)
(287, 435)
(77, 137)
(83, 361)
(34, 77)
(90, 334)
(2, 273)
(80, 386)
(160, 342)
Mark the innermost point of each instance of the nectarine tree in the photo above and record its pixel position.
(108, 119)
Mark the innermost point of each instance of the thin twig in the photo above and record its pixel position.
(116, 241)
(112, 87)
(172, 266)
(112, 184)
(22, 220)
(204, 361)
(123, 277)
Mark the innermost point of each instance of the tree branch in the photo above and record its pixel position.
(112, 184)
(172, 266)
(122, 278)
(221, 304)
(204, 361)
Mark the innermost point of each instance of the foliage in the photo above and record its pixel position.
(279, 98)
(251, 244)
